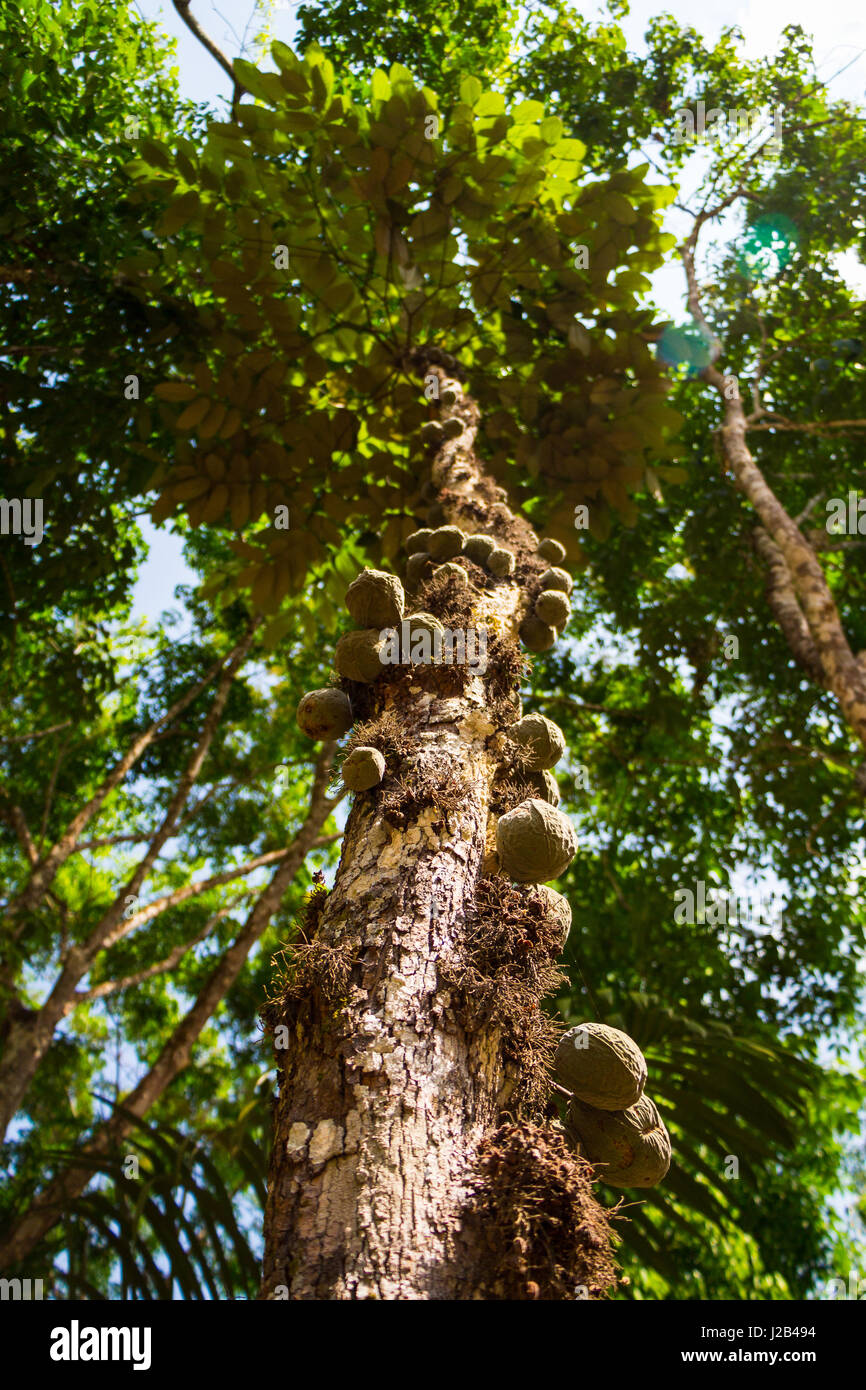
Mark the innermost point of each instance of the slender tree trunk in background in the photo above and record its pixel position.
(798, 593)
(389, 1092)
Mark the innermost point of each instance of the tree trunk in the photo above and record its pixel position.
(404, 1042)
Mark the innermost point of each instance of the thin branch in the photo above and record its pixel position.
(182, 895)
(189, 19)
(809, 507)
(778, 422)
(785, 606)
(17, 819)
(64, 847)
(135, 837)
(49, 794)
(49, 1205)
(160, 968)
(43, 733)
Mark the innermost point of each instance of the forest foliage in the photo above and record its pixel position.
(150, 255)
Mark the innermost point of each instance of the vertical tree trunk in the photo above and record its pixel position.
(391, 1084)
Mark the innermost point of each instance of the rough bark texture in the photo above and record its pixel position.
(391, 1086)
(839, 668)
(785, 606)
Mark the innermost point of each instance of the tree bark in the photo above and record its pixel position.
(839, 669)
(388, 1093)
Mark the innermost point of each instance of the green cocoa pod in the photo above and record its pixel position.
(456, 573)
(446, 542)
(536, 635)
(364, 768)
(424, 622)
(551, 550)
(552, 607)
(535, 842)
(544, 786)
(325, 714)
(478, 548)
(418, 540)
(603, 1066)
(557, 579)
(556, 908)
(501, 562)
(375, 599)
(357, 655)
(630, 1148)
(542, 740)
(418, 562)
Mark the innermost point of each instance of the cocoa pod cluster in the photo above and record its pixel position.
(610, 1119)
(375, 601)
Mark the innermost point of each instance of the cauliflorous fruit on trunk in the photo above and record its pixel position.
(544, 785)
(450, 570)
(424, 622)
(446, 542)
(375, 599)
(478, 548)
(552, 607)
(552, 550)
(535, 842)
(364, 768)
(603, 1066)
(536, 635)
(557, 579)
(418, 540)
(542, 741)
(556, 908)
(325, 714)
(357, 655)
(417, 563)
(631, 1148)
(501, 562)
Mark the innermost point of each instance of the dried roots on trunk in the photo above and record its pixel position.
(412, 1049)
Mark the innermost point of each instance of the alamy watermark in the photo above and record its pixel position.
(836, 1288)
(847, 516)
(418, 646)
(718, 906)
(22, 517)
(727, 126)
(77, 1343)
(26, 1289)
